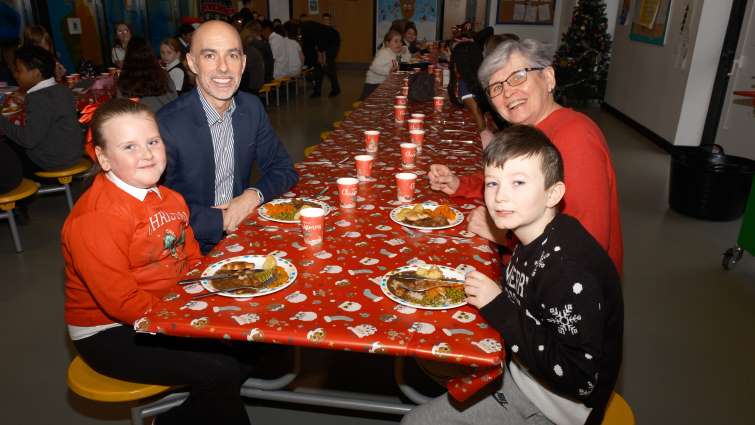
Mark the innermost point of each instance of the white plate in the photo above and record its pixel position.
(263, 211)
(448, 273)
(9, 113)
(255, 261)
(431, 206)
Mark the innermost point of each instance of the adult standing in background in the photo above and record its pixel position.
(213, 137)
(328, 41)
(246, 11)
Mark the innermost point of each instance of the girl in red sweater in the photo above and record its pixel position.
(125, 243)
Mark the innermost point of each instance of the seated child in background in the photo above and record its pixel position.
(50, 137)
(560, 313)
(170, 54)
(126, 241)
(386, 60)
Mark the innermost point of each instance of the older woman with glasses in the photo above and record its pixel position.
(519, 81)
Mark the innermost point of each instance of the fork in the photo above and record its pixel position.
(415, 234)
(264, 285)
(443, 283)
(236, 273)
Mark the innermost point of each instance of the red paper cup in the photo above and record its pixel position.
(438, 103)
(438, 74)
(415, 124)
(347, 191)
(417, 137)
(399, 112)
(405, 82)
(364, 166)
(371, 140)
(430, 69)
(312, 225)
(401, 100)
(405, 91)
(405, 186)
(408, 154)
(420, 117)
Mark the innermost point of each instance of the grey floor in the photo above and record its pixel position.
(690, 326)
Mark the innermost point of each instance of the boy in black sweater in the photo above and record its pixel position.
(51, 137)
(560, 312)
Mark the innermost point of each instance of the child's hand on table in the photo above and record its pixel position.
(480, 289)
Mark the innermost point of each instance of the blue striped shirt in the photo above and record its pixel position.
(221, 129)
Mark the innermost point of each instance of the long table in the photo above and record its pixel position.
(336, 302)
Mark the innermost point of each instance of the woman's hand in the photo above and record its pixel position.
(486, 136)
(443, 179)
(480, 223)
(480, 289)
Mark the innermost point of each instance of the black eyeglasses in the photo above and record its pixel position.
(516, 78)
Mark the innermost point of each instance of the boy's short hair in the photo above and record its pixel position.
(111, 109)
(525, 141)
(35, 57)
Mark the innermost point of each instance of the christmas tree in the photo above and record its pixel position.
(582, 60)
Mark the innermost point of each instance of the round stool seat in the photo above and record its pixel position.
(337, 124)
(347, 113)
(324, 135)
(25, 189)
(618, 412)
(87, 383)
(356, 104)
(82, 166)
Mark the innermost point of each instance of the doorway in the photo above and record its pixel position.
(734, 124)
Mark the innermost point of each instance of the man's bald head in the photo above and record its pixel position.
(217, 57)
(214, 30)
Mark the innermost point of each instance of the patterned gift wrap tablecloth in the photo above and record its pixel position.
(336, 301)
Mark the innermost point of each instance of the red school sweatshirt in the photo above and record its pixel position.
(121, 253)
(591, 194)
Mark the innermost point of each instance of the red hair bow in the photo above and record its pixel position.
(86, 117)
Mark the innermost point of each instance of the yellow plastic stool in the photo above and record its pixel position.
(64, 176)
(337, 124)
(8, 202)
(324, 135)
(308, 150)
(347, 113)
(89, 384)
(356, 104)
(275, 84)
(618, 412)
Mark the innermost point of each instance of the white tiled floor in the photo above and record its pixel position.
(690, 326)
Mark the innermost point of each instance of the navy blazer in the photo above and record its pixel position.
(191, 161)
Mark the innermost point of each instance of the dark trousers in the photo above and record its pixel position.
(28, 167)
(367, 90)
(210, 369)
(328, 70)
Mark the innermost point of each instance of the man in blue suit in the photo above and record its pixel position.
(213, 136)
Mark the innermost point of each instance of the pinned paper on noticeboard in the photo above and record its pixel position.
(650, 21)
(525, 12)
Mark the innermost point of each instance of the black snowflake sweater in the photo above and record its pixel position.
(561, 314)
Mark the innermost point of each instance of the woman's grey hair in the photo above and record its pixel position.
(534, 52)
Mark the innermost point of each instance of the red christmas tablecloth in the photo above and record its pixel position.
(101, 91)
(336, 302)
